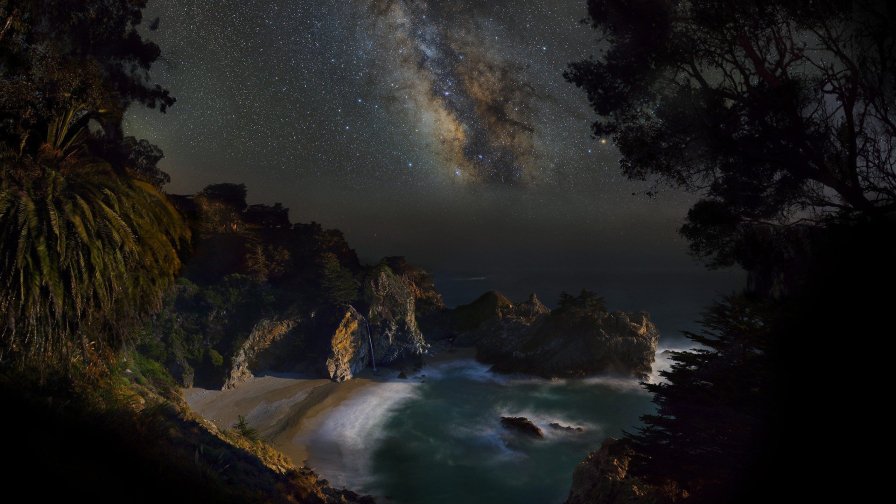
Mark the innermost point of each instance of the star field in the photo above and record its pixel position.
(441, 130)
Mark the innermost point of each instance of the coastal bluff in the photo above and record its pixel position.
(264, 295)
(578, 338)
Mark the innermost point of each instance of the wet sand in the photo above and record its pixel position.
(286, 410)
(281, 408)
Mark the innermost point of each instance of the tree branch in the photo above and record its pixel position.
(8, 23)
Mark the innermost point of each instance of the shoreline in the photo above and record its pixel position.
(286, 410)
(290, 411)
(283, 409)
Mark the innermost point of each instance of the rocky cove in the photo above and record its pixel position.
(362, 373)
(445, 405)
(436, 436)
(578, 339)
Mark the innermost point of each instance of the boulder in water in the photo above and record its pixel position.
(567, 428)
(522, 425)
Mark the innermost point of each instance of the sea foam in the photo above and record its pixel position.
(342, 444)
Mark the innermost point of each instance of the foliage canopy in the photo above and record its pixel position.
(775, 112)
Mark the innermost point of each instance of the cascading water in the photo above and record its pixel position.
(370, 340)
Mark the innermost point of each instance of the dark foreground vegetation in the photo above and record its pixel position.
(780, 117)
(89, 247)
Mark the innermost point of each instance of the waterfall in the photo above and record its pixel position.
(370, 340)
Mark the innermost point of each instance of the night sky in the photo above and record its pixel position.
(439, 130)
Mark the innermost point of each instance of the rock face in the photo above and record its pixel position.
(427, 299)
(389, 332)
(579, 338)
(602, 478)
(531, 309)
(349, 345)
(391, 315)
(567, 428)
(380, 329)
(522, 425)
(266, 333)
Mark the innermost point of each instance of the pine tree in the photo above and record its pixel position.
(338, 283)
(713, 408)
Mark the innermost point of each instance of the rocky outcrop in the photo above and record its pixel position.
(530, 310)
(266, 333)
(579, 338)
(427, 300)
(566, 428)
(488, 307)
(603, 478)
(341, 341)
(523, 426)
(388, 334)
(349, 347)
(391, 315)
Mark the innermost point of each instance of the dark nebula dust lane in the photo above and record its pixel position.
(441, 130)
(475, 102)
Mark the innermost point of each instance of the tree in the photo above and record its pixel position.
(61, 55)
(56, 55)
(243, 428)
(776, 112)
(713, 409)
(84, 251)
(88, 243)
(267, 262)
(339, 285)
(143, 161)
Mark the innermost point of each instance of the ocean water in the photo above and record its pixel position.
(437, 438)
(675, 298)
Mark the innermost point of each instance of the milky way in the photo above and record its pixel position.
(439, 129)
(474, 102)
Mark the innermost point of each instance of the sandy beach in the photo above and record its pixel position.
(281, 408)
(286, 409)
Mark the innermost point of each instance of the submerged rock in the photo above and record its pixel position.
(522, 425)
(568, 428)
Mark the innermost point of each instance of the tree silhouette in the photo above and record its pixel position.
(780, 115)
(243, 428)
(777, 113)
(339, 285)
(86, 55)
(88, 243)
(59, 54)
(713, 407)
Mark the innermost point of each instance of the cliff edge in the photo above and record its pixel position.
(578, 338)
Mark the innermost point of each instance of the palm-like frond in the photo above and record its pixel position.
(84, 252)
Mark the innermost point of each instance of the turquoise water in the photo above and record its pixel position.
(437, 437)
